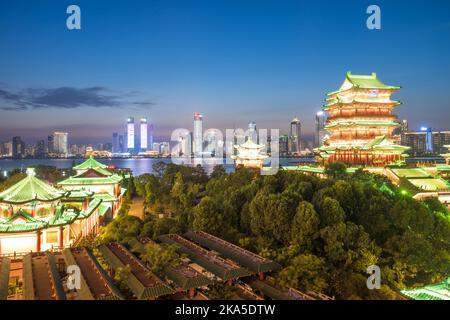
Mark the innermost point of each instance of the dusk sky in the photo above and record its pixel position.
(234, 61)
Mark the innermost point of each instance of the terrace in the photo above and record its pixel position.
(142, 282)
(95, 283)
(182, 275)
(224, 269)
(244, 257)
(41, 278)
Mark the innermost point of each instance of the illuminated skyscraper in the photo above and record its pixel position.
(144, 134)
(252, 133)
(295, 136)
(60, 145)
(320, 132)
(198, 134)
(130, 134)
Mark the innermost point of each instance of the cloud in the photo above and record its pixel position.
(67, 98)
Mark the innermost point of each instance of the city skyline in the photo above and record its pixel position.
(211, 65)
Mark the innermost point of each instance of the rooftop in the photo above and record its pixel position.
(31, 189)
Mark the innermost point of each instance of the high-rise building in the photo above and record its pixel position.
(198, 135)
(121, 144)
(6, 149)
(284, 145)
(165, 148)
(295, 136)
(423, 142)
(144, 134)
(361, 123)
(60, 143)
(40, 149)
(156, 147)
(320, 132)
(50, 144)
(150, 136)
(252, 132)
(130, 134)
(18, 147)
(115, 143)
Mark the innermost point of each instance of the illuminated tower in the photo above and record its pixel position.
(361, 123)
(144, 135)
(320, 132)
(198, 135)
(252, 132)
(130, 134)
(295, 136)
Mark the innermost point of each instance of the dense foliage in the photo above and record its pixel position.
(324, 232)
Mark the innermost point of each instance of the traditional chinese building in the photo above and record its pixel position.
(35, 216)
(361, 123)
(95, 177)
(249, 155)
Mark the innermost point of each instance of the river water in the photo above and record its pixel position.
(137, 165)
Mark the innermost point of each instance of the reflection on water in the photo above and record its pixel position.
(138, 166)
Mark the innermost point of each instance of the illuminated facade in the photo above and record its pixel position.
(198, 135)
(249, 155)
(144, 134)
(35, 216)
(130, 134)
(361, 123)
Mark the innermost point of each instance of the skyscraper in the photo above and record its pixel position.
(40, 150)
(198, 135)
(50, 144)
(18, 147)
(295, 136)
(121, 144)
(60, 144)
(150, 136)
(130, 134)
(320, 131)
(252, 132)
(115, 143)
(144, 134)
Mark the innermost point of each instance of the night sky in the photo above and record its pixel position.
(233, 61)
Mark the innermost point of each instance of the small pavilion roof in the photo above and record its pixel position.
(249, 144)
(31, 189)
(440, 291)
(90, 163)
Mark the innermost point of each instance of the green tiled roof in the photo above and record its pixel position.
(337, 100)
(90, 163)
(443, 167)
(31, 189)
(105, 197)
(62, 216)
(368, 81)
(182, 275)
(29, 223)
(244, 257)
(141, 281)
(113, 179)
(94, 204)
(430, 184)
(103, 209)
(370, 123)
(439, 291)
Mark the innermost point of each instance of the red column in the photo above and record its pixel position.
(38, 241)
(191, 292)
(61, 237)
